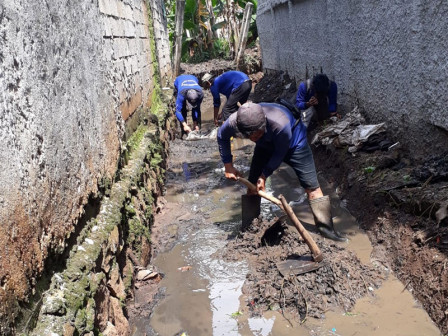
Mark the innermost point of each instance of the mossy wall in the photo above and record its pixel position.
(78, 78)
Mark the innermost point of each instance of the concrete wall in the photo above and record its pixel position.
(71, 74)
(389, 56)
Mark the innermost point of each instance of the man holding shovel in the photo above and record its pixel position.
(279, 137)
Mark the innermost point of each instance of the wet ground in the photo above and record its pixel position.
(216, 280)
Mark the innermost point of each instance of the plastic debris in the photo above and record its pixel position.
(198, 135)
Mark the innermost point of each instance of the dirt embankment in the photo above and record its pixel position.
(402, 203)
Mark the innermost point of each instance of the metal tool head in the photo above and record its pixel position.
(298, 265)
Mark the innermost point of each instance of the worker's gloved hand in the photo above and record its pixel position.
(231, 172)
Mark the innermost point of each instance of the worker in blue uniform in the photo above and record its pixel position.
(317, 99)
(279, 137)
(235, 85)
(189, 96)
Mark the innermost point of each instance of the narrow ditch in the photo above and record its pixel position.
(216, 280)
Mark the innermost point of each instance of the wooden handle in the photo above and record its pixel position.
(317, 254)
(261, 193)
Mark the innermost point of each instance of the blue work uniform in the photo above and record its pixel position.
(182, 84)
(304, 94)
(283, 141)
(236, 86)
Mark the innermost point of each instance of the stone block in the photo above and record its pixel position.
(121, 47)
(107, 31)
(108, 7)
(129, 29)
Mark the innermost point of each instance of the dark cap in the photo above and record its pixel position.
(192, 97)
(321, 83)
(250, 118)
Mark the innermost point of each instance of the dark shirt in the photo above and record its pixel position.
(280, 135)
(304, 95)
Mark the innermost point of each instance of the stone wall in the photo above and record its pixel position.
(72, 74)
(388, 57)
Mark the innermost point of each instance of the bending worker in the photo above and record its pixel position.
(235, 85)
(317, 99)
(279, 137)
(188, 95)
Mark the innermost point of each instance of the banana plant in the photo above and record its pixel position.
(203, 19)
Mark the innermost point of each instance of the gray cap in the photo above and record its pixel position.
(250, 118)
(192, 97)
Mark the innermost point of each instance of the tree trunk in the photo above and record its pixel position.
(180, 9)
(243, 34)
(212, 20)
(233, 31)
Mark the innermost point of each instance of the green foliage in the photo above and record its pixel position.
(369, 169)
(197, 45)
(236, 314)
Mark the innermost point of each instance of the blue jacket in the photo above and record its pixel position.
(181, 85)
(304, 95)
(280, 135)
(225, 84)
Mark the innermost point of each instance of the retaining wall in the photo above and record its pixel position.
(72, 76)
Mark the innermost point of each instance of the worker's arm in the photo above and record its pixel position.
(179, 103)
(216, 115)
(225, 133)
(301, 99)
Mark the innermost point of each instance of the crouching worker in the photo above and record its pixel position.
(279, 137)
(189, 96)
(317, 99)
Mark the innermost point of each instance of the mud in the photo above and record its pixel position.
(336, 285)
(406, 239)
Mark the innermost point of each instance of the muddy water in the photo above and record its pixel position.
(203, 293)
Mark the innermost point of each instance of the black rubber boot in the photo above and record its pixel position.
(321, 209)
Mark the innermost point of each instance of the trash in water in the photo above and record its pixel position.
(202, 134)
(184, 268)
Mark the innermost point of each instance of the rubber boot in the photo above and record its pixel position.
(321, 209)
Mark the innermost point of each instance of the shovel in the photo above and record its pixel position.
(301, 264)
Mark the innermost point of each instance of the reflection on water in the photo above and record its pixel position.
(261, 326)
(225, 278)
(186, 171)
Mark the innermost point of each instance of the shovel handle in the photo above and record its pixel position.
(283, 204)
(261, 193)
(315, 251)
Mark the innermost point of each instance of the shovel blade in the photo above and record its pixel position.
(298, 265)
(250, 209)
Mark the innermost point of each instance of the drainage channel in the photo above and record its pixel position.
(203, 293)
